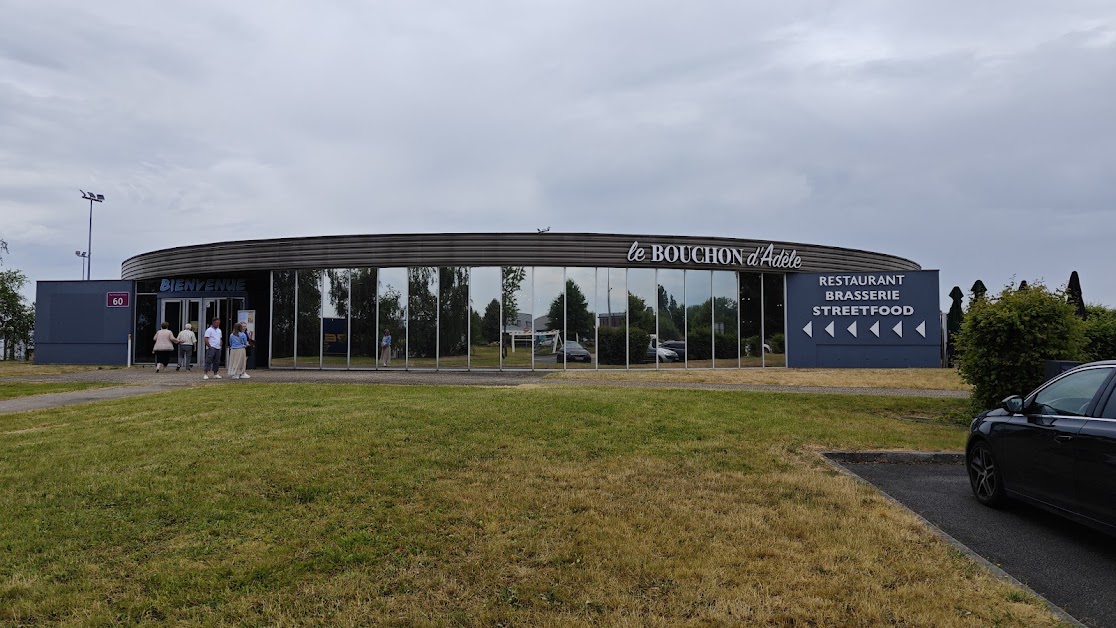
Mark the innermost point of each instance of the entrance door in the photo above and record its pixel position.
(177, 312)
(224, 309)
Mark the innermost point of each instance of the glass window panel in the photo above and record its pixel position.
(422, 317)
(335, 318)
(671, 306)
(612, 290)
(453, 317)
(550, 303)
(774, 321)
(642, 301)
(580, 318)
(282, 318)
(363, 334)
(309, 312)
(699, 319)
(391, 313)
(751, 319)
(484, 296)
(726, 321)
(518, 319)
(147, 323)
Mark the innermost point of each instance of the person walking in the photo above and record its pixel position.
(186, 342)
(385, 347)
(238, 352)
(164, 346)
(213, 343)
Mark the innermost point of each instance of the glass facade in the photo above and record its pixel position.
(523, 317)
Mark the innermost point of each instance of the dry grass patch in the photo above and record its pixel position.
(12, 368)
(917, 379)
(356, 505)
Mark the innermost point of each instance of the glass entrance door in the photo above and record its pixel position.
(177, 312)
(226, 310)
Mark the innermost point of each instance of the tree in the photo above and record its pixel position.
(490, 322)
(3, 249)
(17, 318)
(580, 320)
(1073, 295)
(953, 322)
(1004, 342)
(978, 290)
(640, 315)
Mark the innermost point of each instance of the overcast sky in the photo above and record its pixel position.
(977, 138)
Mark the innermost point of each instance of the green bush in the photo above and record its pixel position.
(610, 342)
(1100, 329)
(1004, 341)
(778, 343)
(751, 346)
(699, 345)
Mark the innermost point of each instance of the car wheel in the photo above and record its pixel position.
(984, 475)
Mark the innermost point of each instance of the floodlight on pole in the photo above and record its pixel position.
(83, 255)
(91, 197)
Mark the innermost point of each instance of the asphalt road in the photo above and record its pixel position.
(1072, 566)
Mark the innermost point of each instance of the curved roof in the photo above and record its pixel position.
(485, 249)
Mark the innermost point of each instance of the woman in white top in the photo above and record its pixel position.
(164, 346)
(186, 342)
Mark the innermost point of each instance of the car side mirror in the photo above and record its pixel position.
(1013, 404)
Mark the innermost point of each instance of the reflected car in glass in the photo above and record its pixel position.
(1054, 448)
(573, 352)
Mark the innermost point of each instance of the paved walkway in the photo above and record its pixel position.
(143, 380)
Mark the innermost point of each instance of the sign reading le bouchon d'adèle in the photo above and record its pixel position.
(117, 299)
(880, 319)
(762, 256)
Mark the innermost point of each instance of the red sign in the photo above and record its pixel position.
(117, 299)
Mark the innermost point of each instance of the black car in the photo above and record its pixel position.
(1054, 448)
(677, 346)
(574, 352)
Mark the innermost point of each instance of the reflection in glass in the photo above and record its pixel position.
(282, 317)
(612, 344)
(774, 321)
(363, 335)
(549, 306)
(422, 321)
(751, 319)
(642, 324)
(580, 324)
(392, 316)
(518, 321)
(335, 318)
(671, 302)
(453, 317)
(726, 320)
(309, 319)
(484, 297)
(147, 324)
(699, 319)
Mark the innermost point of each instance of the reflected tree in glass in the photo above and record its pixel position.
(671, 299)
(774, 321)
(282, 318)
(392, 313)
(363, 340)
(549, 291)
(581, 313)
(726, 312)
(453, 317)
(422, 308)
(751, 319)
(485, 287)
(309, 313)
(699, 319)
(335, 318)
(516, 341)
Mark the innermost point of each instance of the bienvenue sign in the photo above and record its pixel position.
(715, 255)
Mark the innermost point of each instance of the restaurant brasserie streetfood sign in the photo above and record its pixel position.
(715, 255)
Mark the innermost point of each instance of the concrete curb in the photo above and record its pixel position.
(835, 460)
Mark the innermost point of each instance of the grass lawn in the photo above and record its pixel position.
(356, 504)
(917, 379)
(14, 368)
(11, 390)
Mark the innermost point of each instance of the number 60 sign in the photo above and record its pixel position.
(117, 299)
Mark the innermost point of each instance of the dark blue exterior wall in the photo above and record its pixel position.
(74, 325)
(868, 320)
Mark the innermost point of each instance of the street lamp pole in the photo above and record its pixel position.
(83, 255)
(91, 197)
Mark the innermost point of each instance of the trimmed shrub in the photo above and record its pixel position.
(1100, 329)
(610, 348)
(699, 346)
(778, 343)
(1004, 342)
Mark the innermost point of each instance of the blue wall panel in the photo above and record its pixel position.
(74, 325)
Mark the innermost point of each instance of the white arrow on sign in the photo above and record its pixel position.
(921, 329)
(898, 329)
(829, 329)
(875, 328)
(852, 329)
(809, 329)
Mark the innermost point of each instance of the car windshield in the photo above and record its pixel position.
(572, 345)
